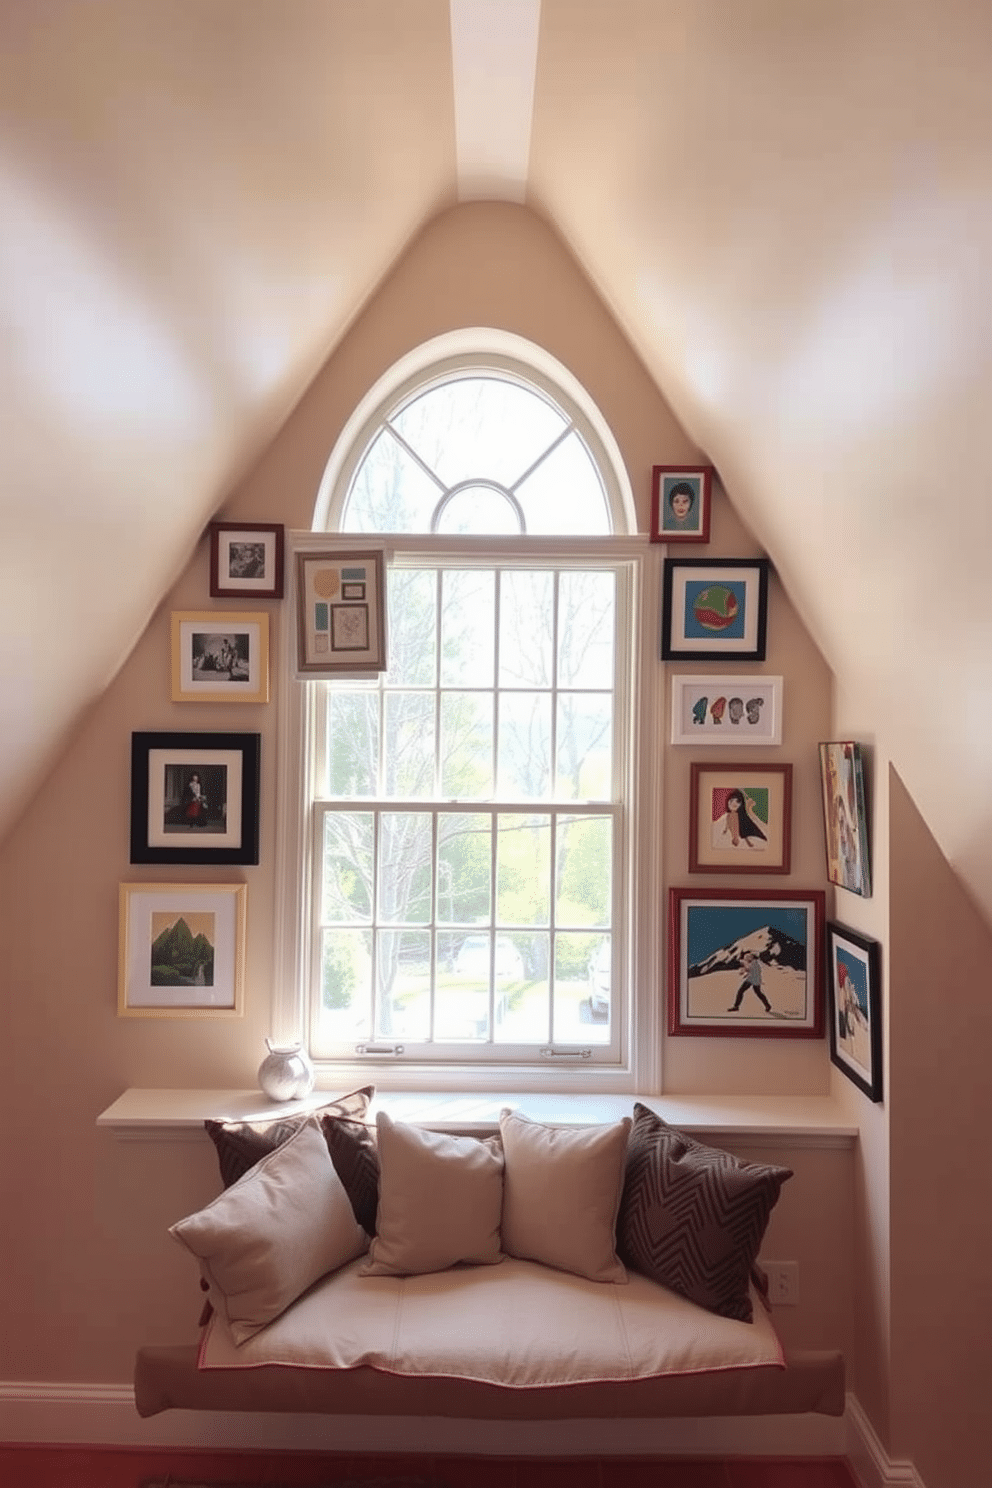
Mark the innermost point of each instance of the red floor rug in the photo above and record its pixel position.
(407, 1482)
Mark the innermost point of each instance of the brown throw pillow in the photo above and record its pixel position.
(692, 1217)
(355, 1155)
(241, 1144)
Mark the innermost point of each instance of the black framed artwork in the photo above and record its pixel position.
(714, 609)
(195, 797)
(854, 996)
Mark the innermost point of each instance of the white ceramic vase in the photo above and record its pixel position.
(285, 1073)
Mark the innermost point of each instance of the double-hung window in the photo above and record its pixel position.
(469, 858)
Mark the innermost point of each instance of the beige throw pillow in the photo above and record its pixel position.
(271, 1235)
(561, 1193)
(440, 1199)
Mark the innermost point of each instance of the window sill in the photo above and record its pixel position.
(794, 1121)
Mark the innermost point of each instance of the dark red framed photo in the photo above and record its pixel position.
(680, 503)
(746, 963)
(247, 558)
(740, 818)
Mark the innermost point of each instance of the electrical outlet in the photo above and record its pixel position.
(783, 1282)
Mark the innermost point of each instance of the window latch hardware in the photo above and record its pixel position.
(551, 1053)
(380, 1049)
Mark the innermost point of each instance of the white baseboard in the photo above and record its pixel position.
(104, 1415)
(870, 1462)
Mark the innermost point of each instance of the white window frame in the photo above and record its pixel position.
(642, 705)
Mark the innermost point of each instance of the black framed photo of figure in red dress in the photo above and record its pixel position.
(195, 797)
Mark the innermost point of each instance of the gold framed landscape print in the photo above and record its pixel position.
(181, 950)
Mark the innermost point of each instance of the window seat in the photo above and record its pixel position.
(795, 1121)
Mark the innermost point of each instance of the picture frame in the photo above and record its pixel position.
(714, 609)
(220, 656)
(854, 1000)
(340, 612)
(181, 950)
(716, 937)
(195, 798)
(247, 558)
(740, 818)
(726, 711)
(845, 817)
(680, 503)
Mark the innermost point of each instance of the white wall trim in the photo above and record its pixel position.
(104, 1415)
(869, 1460)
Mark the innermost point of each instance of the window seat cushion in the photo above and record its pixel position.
(516, 1325)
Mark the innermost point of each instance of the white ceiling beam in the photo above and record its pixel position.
(494, 66)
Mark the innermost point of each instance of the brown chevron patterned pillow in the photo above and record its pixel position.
(692, 1217)
(241, 1144)
(354, 1152)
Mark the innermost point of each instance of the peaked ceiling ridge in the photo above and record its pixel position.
(494, 73)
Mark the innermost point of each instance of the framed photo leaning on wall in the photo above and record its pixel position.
(854, 999)
(745, 963)
(845, 818)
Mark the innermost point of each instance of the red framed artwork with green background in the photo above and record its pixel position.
(740, 818)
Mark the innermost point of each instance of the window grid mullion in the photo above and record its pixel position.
(545, 455)
(495, 812)
(553, 886)
(438, 643)
(497, 691)
(374, 907)
(431, 474)
(553, 762)
(432, 989)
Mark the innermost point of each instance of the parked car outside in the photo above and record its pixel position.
(599, 975)
(472, 961)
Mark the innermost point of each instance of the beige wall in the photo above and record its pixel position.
(89, 1273)
(940, 1014)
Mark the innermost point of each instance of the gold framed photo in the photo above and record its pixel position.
(181, 950)
(219, 656)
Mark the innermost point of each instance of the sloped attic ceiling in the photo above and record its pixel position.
(787, 207)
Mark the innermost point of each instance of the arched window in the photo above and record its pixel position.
(467, 897)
